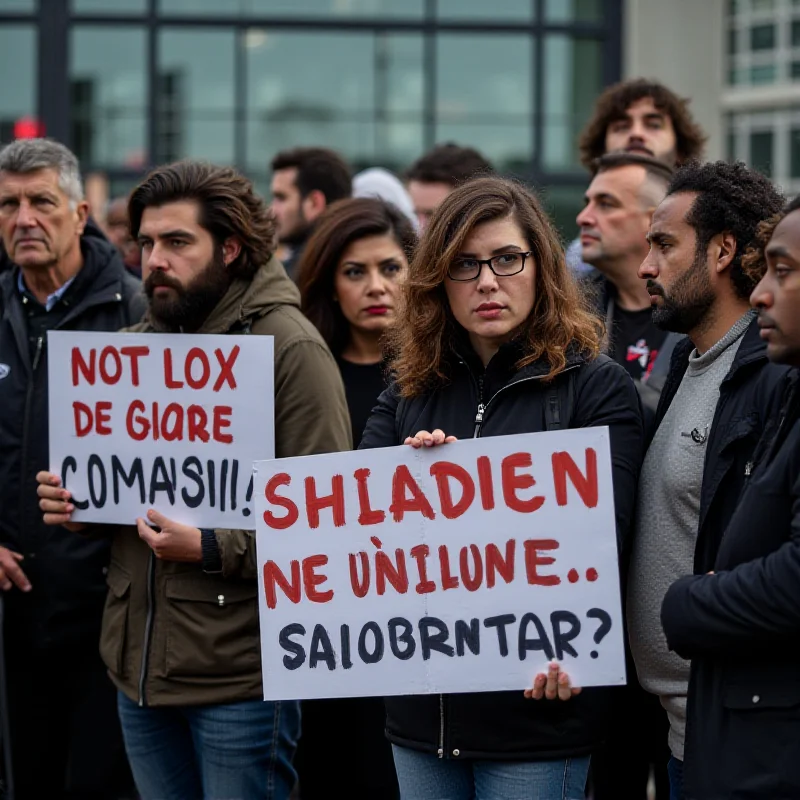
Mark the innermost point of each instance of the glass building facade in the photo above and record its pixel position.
(132, 83)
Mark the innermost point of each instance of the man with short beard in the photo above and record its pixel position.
(199, 727)
(719, 394)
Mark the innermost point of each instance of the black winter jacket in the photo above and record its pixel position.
(495, 402)
(749, 397)
(741, 628)
(66, 571)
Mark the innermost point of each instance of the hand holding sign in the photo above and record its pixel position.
(555, 684)
(175, 542)
(429, 439)
(56, 503)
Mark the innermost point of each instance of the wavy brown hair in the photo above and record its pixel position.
(754, 261)
(426, 332)
(337, 228)
(617, 99)
(229, 206)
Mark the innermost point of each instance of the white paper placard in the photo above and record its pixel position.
(166, 421)
(485, 559)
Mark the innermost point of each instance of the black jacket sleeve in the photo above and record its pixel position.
(753, 603)
(381, 430)
(609, 397)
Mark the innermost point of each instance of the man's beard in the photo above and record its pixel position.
(689, 300)
(188, 307)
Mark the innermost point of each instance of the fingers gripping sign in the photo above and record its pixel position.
(56, 502)
(427, 439)
(173, 541)
(555, 684)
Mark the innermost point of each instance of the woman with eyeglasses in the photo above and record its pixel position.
(492, 332)
(349, 277)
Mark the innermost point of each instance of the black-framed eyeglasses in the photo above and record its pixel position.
(504, 265)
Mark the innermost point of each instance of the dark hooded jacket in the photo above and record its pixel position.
(497, 401)
(67, 571)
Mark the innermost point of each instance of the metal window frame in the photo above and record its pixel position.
(54, 19)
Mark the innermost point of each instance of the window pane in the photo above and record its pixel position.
(763, 5)
(18, 6)
(480, 9)
(761, 152)
(17, 58)
(794, 145)
(573, 81)
(563, 204)
(196, 98)
(795, 70)
(484, 95)
(574, 10)
(762, 37)
(366, 103)
(762, 74)
(293, 8)
(796, 33)
(732, 41)
(108, 91)
(109, 6)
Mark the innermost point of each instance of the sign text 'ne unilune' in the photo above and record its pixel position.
(459, 568)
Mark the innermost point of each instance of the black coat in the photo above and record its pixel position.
(503, 725)
(741, 628)
(749, 396)
(67, 571)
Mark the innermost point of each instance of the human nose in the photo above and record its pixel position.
(155, 258)
(648, 267)
(25, 216)
(586, 217)
(376, 283)
(486, 280)
(761, 296)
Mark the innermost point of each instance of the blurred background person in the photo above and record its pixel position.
(305, 181)
(349, 278)
(643, 117)
(118, 231)
(434, 175)
(379, 182)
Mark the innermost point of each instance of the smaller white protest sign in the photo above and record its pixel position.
(460, 568)
(165, 421)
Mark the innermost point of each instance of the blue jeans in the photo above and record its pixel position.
(675, 771)
(423, 776)
(238, 751)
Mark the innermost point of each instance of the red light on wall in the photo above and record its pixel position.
(28, 128)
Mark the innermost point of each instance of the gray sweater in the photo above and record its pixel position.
(667, 516)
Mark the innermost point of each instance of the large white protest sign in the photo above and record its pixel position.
(164, 421)
(464, 567)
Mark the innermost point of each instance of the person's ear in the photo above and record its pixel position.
(313, 204)
(726, 243)
(231, 248)
(82, 215)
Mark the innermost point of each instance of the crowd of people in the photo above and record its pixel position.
(417, 312)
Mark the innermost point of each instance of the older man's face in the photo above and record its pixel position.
(38, 224)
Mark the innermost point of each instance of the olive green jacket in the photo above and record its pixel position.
(173, 634)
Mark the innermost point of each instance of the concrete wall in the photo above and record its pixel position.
(680, 43)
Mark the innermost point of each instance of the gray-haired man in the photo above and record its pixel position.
(64, 275)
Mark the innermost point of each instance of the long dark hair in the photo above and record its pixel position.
(336, 229)
(425, 333)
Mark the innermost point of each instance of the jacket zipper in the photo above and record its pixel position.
(441, 726)
(481, 413)
(148, 627)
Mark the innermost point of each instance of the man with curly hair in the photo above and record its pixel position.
(738, 617)
(643, 117)
(720, 392)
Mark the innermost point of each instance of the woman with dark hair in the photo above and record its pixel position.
(349, 277)
(493, 338)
